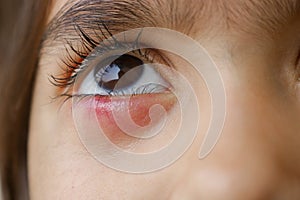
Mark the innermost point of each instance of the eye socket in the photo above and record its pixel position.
(128, 74)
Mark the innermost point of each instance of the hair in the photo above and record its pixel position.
(22, 25)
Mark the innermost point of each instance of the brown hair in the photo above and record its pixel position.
(22, 24)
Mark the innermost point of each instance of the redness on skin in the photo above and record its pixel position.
(139, 106)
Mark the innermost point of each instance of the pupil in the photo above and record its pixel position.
(115, 73)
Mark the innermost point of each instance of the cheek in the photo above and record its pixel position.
(136, 107)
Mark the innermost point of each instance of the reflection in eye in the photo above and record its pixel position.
(108, 76)
(125, 75)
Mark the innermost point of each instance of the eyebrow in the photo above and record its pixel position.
(188, 17)
(117, 15)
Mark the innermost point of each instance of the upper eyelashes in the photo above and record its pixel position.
(77, 53)
(91, 54)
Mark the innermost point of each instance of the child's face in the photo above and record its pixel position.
(255, 45)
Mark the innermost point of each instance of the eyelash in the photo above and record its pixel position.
(73, 65)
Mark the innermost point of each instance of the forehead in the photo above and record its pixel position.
(243, 15)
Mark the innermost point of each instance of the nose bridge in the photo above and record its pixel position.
(243, 164)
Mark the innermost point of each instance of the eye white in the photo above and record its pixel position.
(150, 80)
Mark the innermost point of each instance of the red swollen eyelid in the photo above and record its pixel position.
(139, 106)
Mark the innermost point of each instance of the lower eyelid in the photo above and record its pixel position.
(103, 106)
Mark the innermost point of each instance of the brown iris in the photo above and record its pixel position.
(120, 74)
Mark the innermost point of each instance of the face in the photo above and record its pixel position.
(85, 78)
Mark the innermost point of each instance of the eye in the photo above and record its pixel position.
(123, 75)
(126, 86)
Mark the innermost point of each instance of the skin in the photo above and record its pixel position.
(256, 157)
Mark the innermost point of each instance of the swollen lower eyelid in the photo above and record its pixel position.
(139, 107)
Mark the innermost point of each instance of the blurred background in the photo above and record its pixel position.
(21, 28)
